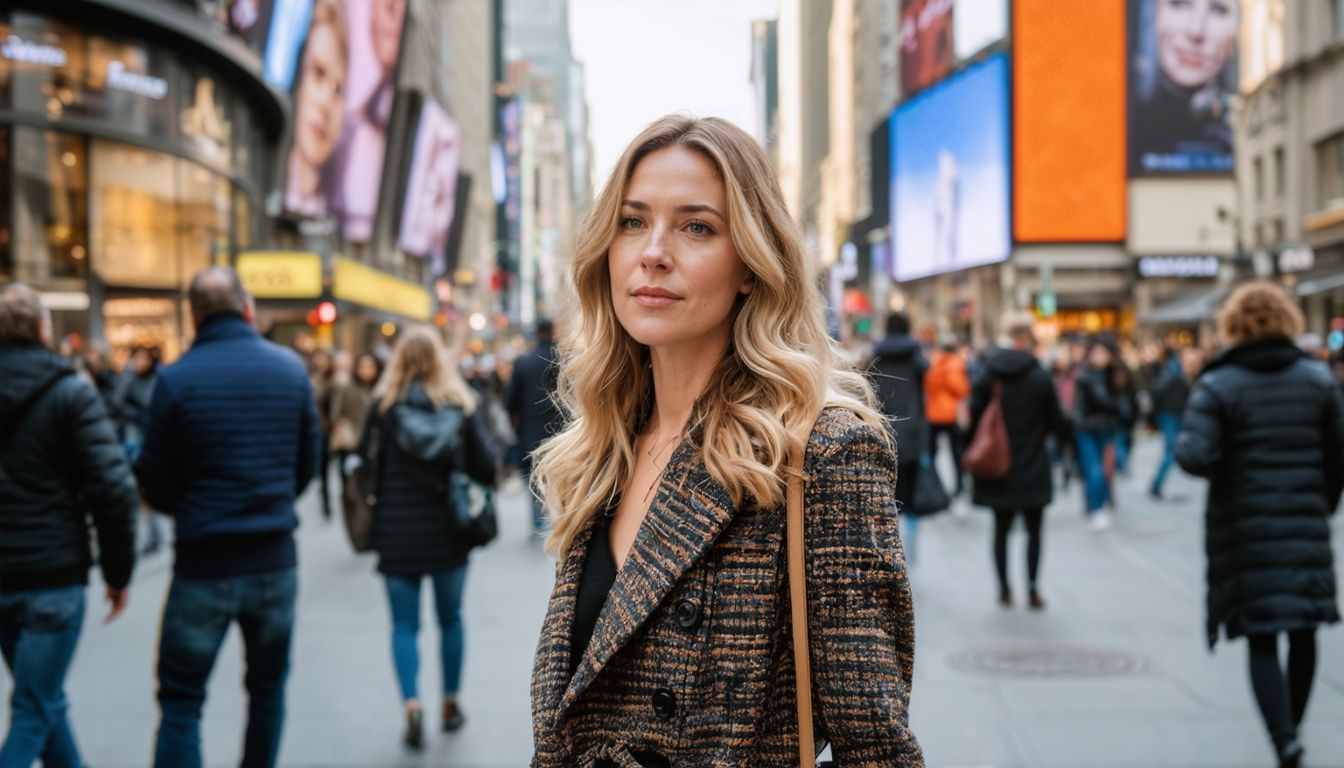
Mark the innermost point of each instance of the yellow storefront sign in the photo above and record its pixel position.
(281, 274)
(361, 284)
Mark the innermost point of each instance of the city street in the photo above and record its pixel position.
(1115, 673)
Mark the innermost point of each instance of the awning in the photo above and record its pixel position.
(1188, 309)
(1320, 284)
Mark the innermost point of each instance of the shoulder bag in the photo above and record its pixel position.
(359, 491)
(990, 456)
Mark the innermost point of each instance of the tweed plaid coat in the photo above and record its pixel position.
(691, 661)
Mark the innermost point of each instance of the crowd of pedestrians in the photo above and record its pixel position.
(222, 441)
(226, 438)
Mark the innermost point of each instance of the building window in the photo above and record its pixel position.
(50, 206)
(1258, 177)
(1280, 171)
(1337, 6)
(135, 214)
(1330, 182)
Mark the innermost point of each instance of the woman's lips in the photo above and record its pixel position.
(1192, 60)
(655, 297)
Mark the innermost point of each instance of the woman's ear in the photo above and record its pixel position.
(747, 285)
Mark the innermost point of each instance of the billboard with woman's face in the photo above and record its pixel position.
(343, 95)
(427, 213)
(1183, 74)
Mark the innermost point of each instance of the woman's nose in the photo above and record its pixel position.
(655, 255)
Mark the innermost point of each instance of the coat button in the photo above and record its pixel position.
(664, 703)
(688, 614)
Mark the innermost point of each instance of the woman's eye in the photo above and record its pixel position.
(630, 222)
(699, 228)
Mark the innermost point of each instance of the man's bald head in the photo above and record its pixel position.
(216, 291)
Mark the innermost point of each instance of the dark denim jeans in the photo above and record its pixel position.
(403, 597)
(195, 621)
(1092, 458)
(38, 633)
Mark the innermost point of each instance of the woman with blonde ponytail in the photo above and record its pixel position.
(422, 396)
(697, 364)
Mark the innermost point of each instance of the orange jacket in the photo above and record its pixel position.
(945, 386)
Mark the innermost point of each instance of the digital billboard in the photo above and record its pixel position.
(427, 212)
(926, 43)
(287, 28)
(950, 174)
(343, 97)
(1183, 74)
(1069, 91)
(251, 21)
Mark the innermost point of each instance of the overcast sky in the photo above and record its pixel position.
(645, 58)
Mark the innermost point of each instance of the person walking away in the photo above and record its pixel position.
(60, 469)
(1032, 414)
(414, 531)
(320, 372)
(945, 390)
(352, 386)
(1125, 391)
(231, 440)
(1096, 424)
(532, 409)
(898, 369)
(1265, 425)
(1170, 391)
(130, 405)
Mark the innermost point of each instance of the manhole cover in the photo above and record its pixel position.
(1042, 660)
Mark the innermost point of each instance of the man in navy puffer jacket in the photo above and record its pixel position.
(232, 438)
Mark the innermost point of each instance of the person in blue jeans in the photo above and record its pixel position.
(1098, 418)
(61, 467)
(232, 437)
(414, 529)
(1170, 392)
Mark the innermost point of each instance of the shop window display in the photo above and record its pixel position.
(134, 206)
(203, 218)
(50, 200)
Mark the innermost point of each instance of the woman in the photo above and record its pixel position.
(1097, 421)
(699, 362)
(1031, 413)
(1265, 424)
(319, 111)
(413, 531)
(351, 390)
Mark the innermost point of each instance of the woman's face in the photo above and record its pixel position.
(1195, 38)
(321, 99)
(675, 273)
(366, 370)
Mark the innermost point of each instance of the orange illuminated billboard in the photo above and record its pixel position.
(1069, 121)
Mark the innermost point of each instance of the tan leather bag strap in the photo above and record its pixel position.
(802, 661)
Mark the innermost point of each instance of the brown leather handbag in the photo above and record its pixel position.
(990, 456)
(802, 660)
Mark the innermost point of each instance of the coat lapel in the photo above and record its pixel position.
(688, 513)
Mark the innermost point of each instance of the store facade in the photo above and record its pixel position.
(133, 157)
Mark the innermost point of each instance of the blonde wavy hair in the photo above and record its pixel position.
(781, 369)
(420, 356)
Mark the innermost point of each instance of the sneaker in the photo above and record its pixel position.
(1101, 521)
(452, 717)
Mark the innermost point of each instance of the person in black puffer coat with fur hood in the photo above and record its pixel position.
(1266, 426)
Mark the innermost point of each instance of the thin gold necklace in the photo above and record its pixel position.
(663, 469)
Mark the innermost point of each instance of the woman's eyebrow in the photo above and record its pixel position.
(690, 208)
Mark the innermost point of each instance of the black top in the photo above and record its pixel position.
(599, 575)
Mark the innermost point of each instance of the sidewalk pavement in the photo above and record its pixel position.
(1114, 674)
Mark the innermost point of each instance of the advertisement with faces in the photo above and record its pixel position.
(427, 213)
(343, 96)
(936, 34)
(1183, 73)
